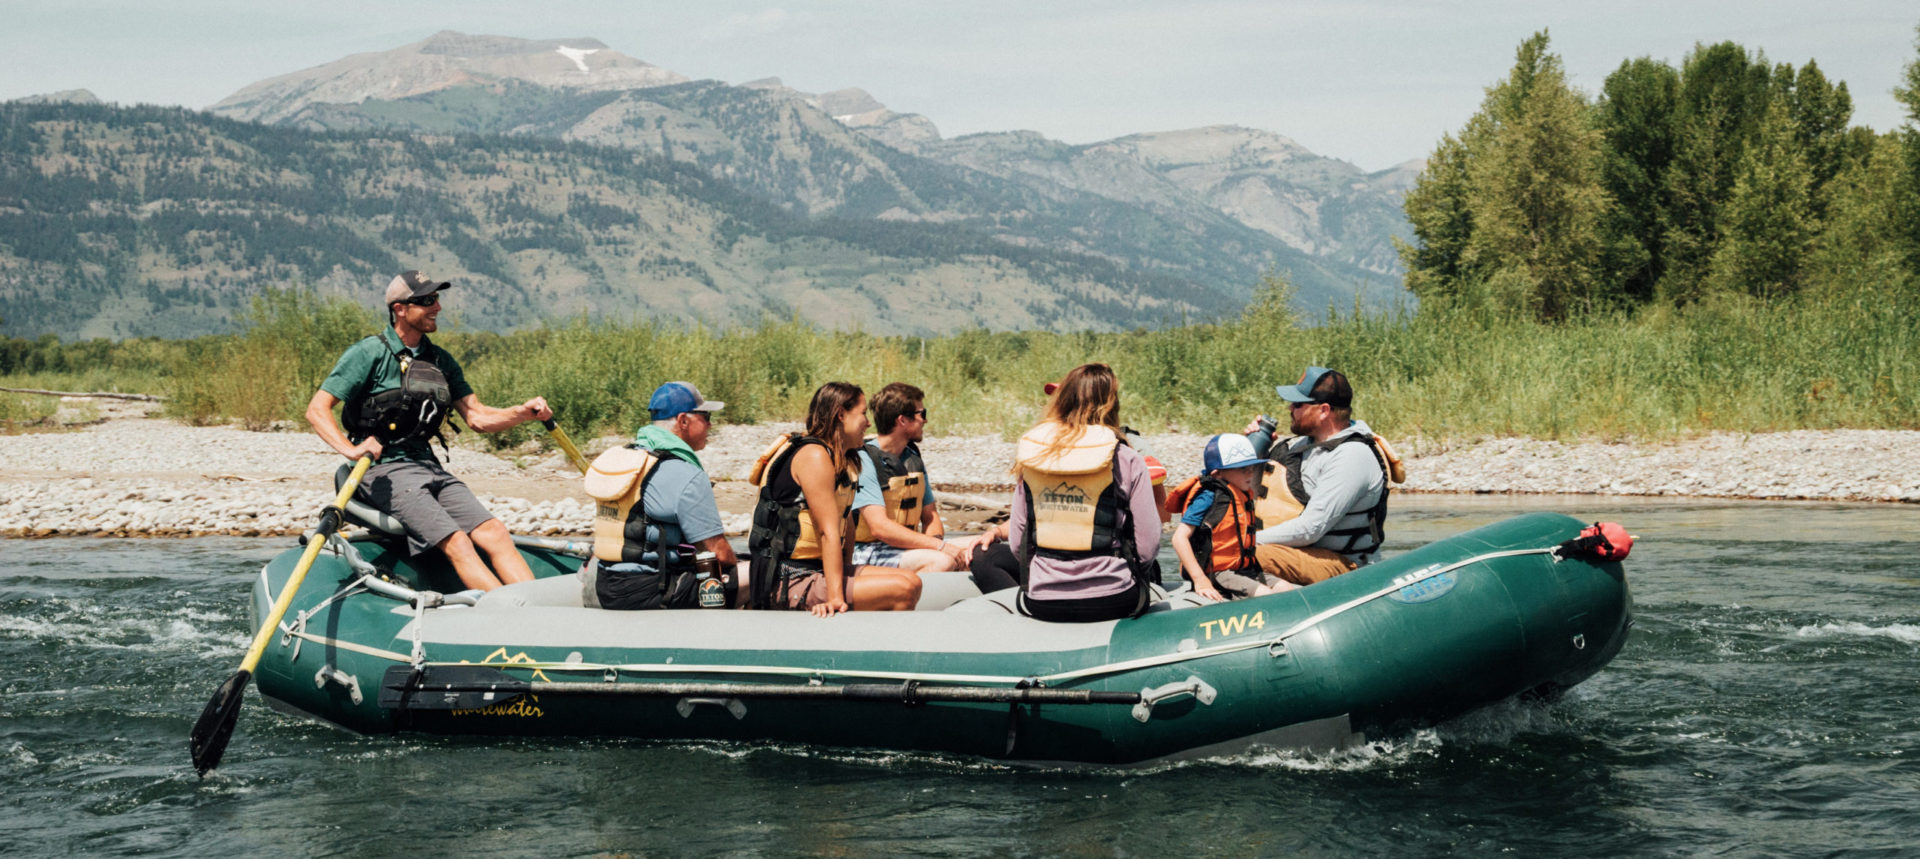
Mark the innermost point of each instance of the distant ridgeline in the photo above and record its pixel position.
(149, 221)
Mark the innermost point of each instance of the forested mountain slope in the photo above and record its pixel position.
(158, 221)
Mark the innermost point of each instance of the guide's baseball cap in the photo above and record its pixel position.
(410, 284)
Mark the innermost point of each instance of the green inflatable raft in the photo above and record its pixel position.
(370, 643)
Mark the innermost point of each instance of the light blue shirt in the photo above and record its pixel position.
(1342, 484)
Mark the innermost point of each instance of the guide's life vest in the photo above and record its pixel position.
(903, 485)
(1224, 540)
(1076, 506)
(414, 410)
(782, 528)
(1282, 494)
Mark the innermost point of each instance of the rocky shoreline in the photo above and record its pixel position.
(135, 475)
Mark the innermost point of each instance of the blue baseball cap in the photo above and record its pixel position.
(1335, 390)
(677, 398)
(1229, 450)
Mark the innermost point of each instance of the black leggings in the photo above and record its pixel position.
(1128, 603)
(995, 569)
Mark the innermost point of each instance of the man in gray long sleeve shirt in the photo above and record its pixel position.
(1344, 478)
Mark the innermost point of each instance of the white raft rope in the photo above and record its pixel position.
(422, 600)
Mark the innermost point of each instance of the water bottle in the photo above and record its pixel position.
(1263, 438)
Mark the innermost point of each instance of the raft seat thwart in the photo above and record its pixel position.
(360, 513)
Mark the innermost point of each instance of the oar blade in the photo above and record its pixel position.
(215, 726)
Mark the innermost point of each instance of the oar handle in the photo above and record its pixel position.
(329, 522)
(566, 444)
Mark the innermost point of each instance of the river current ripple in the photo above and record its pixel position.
(1768, 703)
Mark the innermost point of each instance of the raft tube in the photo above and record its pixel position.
(1456, 625)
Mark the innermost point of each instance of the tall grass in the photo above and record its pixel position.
(1819, 360)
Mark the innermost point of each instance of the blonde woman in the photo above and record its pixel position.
(1085, 527)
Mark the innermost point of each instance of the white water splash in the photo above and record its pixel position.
(1904, 632)
(20, 753)
(73, 623)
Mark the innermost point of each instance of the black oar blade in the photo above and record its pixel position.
(215, 725)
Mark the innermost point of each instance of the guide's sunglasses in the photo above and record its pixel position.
(1291, 405)
(428, 300)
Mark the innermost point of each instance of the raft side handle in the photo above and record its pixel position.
(330, 674)
(1194, 686)
(732, 705)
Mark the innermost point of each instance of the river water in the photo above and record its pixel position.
(1765, 705)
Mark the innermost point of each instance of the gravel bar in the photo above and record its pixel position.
(141, 476)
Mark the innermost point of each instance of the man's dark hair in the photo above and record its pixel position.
(893, 403)
(1333, 390)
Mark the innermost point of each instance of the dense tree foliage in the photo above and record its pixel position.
(1727, 175)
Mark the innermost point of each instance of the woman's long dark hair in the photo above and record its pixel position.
(830, 404)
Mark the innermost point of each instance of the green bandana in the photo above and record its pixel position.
(656, 439)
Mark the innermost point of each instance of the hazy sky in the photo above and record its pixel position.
(1374, 82)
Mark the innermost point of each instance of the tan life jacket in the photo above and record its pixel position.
(616, 481)
(1071, 491)
(1282, 494)
(787, 518)
(902, 490)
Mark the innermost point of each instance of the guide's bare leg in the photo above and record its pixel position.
(493, 538)
(463, 551)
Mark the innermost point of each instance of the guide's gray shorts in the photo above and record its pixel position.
(431, 503)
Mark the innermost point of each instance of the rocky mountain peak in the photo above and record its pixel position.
(1214, 144)
(65, 96)
(849, 101)
(443, 60)
(455, 44)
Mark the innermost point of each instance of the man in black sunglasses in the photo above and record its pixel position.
(1322, 499)
(898, 523)
(398, 388)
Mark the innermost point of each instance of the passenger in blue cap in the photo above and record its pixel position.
(1322, 500)
(677, 517)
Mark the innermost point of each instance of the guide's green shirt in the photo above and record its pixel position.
(369, 367)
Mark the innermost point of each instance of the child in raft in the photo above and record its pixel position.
(1214, 539)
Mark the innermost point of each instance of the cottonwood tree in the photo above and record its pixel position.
(1723, 94)
(1768, 225)
(1636, 126)
(1512, 211)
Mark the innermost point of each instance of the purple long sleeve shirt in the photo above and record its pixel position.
(1099, 575)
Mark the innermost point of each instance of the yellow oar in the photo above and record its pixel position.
(566, 444)
(215, 725)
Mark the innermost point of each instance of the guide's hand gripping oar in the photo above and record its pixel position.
(215, 726)
(566, 444)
